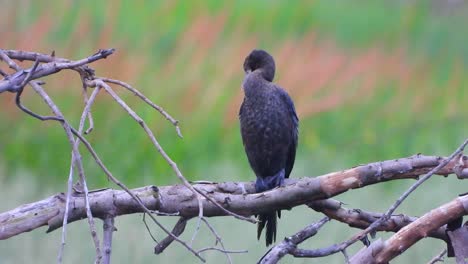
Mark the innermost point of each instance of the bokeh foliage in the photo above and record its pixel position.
(395, 79)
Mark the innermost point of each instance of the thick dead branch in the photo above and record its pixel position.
(420, 228)
(362, 219)
(366, 255)
(376, 224)
(459, 240)
(179, 199)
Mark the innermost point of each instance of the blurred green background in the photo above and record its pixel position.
(371, 80)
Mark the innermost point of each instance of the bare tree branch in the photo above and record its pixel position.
(438, 258)
(459, 241)
(362, 219)
(400, 200)
(289, 244)
(86, 111)
(13, 84)
(146, 100)
(420, 228)
(178, 199)
(373, 227)
(108, 229)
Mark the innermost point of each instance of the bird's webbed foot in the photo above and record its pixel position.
(280, 179)
(281, 182)
(270, 182)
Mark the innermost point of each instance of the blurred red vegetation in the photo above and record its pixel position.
(319, 75)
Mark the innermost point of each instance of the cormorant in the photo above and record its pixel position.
(269, 129)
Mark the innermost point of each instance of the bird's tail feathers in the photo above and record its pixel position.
(269, 219)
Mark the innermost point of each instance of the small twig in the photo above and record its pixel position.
(31, 113)
(222, 250)
(65, 215)
(438, 258)
(218, 239)
(108, 229)
(346, 257)
(240, 217)
(197, 228)
(10, 62)
(18, 89)
(213, 231)
(289, 244)
(30, 73)
(148, 229)
(176, 231)
(86, 110)
(85, 99)
(146, 100)
(77, 160)
(32, 56)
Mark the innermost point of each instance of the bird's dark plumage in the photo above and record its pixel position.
(269, 129)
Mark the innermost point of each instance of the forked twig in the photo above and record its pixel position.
(146, 100)
(77, 160)
(76, 157)
(438, 258)
(86, 110)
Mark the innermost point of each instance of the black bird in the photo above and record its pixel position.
(269, 129)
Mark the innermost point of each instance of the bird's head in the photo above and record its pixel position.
(261, 61)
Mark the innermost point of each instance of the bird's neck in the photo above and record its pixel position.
(255, 85)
